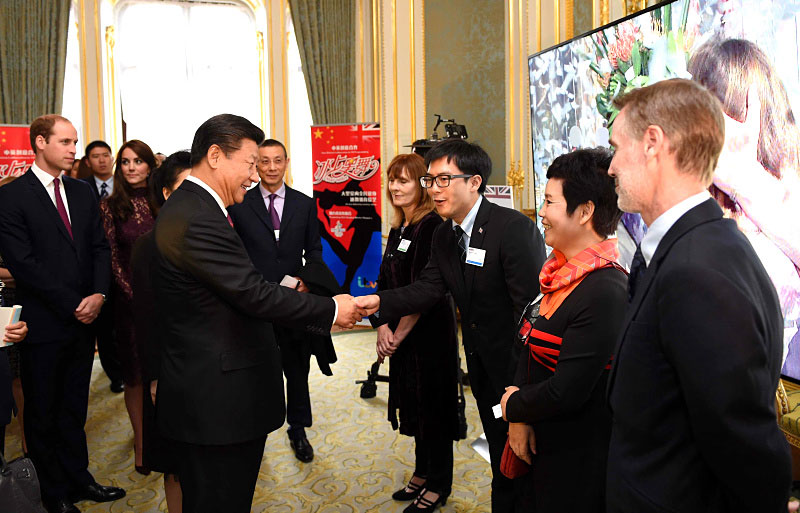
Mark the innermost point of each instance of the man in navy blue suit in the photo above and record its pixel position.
(279, 228)
(52, 241)
(692, 387)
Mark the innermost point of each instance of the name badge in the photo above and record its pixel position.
(403, 246)
(277, 234)
(476, 256)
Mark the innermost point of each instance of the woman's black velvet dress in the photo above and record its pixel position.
(423, 387)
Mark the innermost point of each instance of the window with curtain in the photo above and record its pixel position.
(179, 63)
(71, 107)
(299, 116)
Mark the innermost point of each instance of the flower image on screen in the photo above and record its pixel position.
(747, 53)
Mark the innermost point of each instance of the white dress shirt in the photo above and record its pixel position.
(211, 191)
(109, 184)
(660, 227)
(469, 220)
(280, 198)
(47, 181)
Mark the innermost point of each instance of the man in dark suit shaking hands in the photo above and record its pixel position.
(53, 242)
(220, 390)
(279, 228)
(489, 258)
(692, 387)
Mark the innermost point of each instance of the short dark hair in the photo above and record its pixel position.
(584, 176)
(268, 143)
(167, 174)
(95, 144)
(226, 131)
(43, 125)
(470, 158)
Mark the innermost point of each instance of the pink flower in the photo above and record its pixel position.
(620, 50)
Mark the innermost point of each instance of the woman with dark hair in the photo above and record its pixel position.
(756, 180)
(157, 454)
(423, 347)
(557, 409)
(127, 214)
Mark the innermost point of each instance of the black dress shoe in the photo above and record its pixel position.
(302, 449)
(63, 506)
(99, 493)
(409, 491)
(421, 504)
(117, 387)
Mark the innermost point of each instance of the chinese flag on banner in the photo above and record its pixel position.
(16, 154)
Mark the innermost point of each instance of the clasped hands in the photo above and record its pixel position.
(387, 342)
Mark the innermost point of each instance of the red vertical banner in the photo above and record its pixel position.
(16, 154)
(347, 190)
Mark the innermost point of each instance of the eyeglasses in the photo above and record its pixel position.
(441, 180)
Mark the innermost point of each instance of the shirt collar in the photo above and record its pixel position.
(100, 182)
(469, 219)
(660, 227)
(209, 190)
(43, 176)
(281, 193)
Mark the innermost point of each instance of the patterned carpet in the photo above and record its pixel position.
(359, 460)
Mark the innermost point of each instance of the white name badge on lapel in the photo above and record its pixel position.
(475, 256)
(403, 246)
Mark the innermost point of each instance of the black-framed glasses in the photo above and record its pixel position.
(441, 180)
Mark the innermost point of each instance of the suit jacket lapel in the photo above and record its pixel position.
(289, 207)
(476, 241)
(702, 213)
(47, 204)
(75, 213)
(256, 202)
(449, 252)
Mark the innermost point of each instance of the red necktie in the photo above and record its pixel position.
(230, 221)
(62, 210)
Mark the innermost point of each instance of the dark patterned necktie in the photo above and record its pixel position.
(638, 267)
(462, 245)
(62, 210)
(103, 190)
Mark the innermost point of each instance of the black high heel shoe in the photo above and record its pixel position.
(421, 504)
(409, 491)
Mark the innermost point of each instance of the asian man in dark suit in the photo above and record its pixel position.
(692, 387)
(279, 228)
(100, 160)
(220, 389)
(489, 258)
(52, 240)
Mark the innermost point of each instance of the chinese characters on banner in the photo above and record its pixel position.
(347, 190)
(16, 154)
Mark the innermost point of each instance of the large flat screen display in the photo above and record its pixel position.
(747, 52)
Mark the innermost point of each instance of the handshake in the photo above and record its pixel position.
(353, 309)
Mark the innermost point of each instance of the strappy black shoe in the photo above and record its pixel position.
(421, 504)
(409, 491)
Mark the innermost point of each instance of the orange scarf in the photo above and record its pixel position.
(559, 277)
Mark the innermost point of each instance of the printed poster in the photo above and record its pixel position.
(347, 190)
(16, 154)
